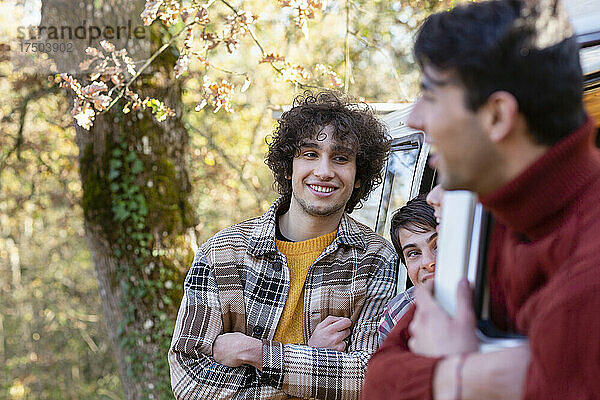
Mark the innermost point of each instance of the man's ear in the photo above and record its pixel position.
(357, 184)
(501, 114)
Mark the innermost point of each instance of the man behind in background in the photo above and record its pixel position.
(414, 236)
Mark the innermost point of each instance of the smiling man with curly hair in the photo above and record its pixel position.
(287, 304)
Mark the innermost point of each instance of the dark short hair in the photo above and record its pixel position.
(353, 124)
(416, 216)
(492, 46)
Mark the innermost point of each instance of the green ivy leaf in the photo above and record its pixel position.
(142, 204)
(131, 156)
(113, 174)
(114, 163)
(137, 167)
(120, 212)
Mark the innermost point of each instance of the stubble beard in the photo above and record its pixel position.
(318, 211)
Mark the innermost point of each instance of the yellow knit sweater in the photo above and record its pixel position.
(300, 256)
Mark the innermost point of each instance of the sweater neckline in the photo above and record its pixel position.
(310, 245)
(531, 204)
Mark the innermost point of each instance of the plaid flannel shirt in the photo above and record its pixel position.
(238, 283)
(394, 311)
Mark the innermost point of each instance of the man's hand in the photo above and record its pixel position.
(434, 333)
(234, 349)
(330, 333)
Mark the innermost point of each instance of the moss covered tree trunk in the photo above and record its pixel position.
(137, 216)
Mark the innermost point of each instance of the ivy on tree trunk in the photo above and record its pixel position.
(137, 216)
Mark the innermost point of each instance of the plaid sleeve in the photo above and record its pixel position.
(309, 372)
(194, 373)
(396, 308)
(385, 325)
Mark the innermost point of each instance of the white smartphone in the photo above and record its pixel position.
(454, 245)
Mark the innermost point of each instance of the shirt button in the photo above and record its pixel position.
(277, 266)
(258, 330)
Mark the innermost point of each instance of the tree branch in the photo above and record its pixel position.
(146, 65)
(21, 109)
(263, 53)
(382, 51)
(230, 163)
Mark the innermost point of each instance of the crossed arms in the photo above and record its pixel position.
(236, 349)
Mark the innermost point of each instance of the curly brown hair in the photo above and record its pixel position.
(353, 123)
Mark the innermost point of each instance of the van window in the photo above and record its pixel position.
(400, 173)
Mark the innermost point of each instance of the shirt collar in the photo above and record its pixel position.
(262, 240)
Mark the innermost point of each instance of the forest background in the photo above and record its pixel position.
(99, 219)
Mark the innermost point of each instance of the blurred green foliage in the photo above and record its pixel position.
(53, 342)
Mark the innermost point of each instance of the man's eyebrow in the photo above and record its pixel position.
(429, 83)
(432, 237)
(341, 149)
(407, 246)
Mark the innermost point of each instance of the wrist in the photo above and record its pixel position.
(251, 353)
(458, 382)
(448, 378)
(443, 378)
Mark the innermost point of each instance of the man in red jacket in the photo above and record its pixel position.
(502, 103)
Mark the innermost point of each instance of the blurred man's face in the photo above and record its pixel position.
(460, 144)
(420, 253)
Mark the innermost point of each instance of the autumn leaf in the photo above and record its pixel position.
(189, 38)
(108, 46)
(271, 58)
(220, 94)
(246, 85)
(94, 88)
(83, 114)
(303, 11)
(182, 64)
(160, 111)
(169, 13)
(150, 11)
